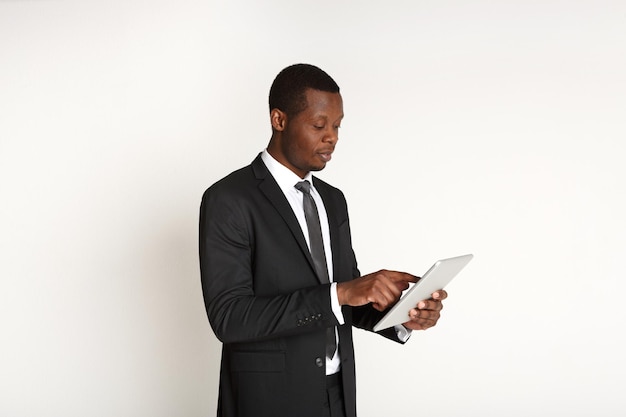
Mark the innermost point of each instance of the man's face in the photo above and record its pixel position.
(308, 138)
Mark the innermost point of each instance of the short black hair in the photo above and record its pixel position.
(288, 89)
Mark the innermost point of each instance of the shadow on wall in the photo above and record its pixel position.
(185, 352)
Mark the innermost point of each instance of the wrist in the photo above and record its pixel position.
(341, 293)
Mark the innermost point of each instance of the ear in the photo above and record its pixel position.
(278, 118)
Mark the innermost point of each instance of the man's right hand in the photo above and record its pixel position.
(382, 289)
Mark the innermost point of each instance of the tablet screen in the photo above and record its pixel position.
(436, 278)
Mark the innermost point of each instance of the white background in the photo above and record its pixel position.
(490, 127)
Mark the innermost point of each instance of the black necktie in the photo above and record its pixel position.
(317, 251)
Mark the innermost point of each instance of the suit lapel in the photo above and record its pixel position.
(274, 194)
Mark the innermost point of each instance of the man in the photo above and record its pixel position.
(279, 277)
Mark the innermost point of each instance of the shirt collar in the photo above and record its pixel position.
(285, 177)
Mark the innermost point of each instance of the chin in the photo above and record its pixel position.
(318, 167)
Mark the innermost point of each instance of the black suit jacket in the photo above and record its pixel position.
(265, 302)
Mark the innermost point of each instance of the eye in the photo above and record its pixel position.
(319, 127)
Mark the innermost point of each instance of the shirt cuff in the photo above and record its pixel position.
(334, 303)
(402, 332)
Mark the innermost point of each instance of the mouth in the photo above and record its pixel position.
(325, 156)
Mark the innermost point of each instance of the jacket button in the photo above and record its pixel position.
(319, 362)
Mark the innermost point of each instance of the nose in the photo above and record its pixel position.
(332, 135)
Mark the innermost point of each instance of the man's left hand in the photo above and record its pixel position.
(426, 314)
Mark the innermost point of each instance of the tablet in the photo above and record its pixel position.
(436, 278)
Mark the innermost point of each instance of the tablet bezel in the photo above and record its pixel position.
(436, 278)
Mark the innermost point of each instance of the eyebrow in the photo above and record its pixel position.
(325, 116)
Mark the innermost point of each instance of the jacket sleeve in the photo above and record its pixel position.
(235, 311)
